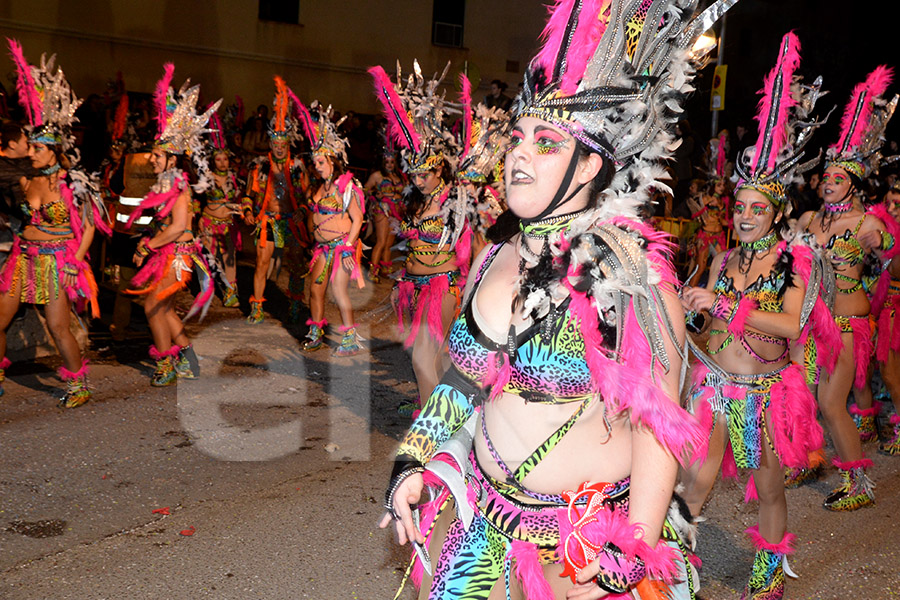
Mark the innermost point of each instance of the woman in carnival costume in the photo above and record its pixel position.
(385, 188)
(847, 235)
(763, 296)
(218, 233)
(48, 261)
(712, 237)
(485, 135)
(335, 221)
(170, 253)
(435, 227)
(886, 310)
(275, 205)
(569, 349)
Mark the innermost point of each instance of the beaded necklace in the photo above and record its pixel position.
(751, 249)
(542, 230)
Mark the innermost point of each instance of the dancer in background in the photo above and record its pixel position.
(435, 226)
(886, 310)
(170, 254)
(752, 399)
(48, 263)
(275, 203)
(335, 220)
(216, 225)
(385, 189)
(841, 227)
(479, 175)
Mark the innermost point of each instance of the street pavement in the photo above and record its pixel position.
(264, 479)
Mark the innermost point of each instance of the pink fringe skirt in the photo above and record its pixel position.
(421, 297)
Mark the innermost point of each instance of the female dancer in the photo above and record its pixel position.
(554, 351)
(47, 264)
(841, 227)
(217, 229)
(435, 227)
(169, 255)
(749, 394)
(335, 220)
(886, 309)
(485, 136)
(385, 191)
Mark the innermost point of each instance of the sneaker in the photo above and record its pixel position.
(256, 313)
(315, 338)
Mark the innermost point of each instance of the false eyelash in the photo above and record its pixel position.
(545, 147)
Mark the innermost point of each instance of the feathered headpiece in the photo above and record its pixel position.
(862, 126)
(180, 127)
(282, 125)
(415, 118)
(120, 123)
(773, 162)
(217, 133)
(485, 135)
(49, 102)
(322, 131)
(613, 73)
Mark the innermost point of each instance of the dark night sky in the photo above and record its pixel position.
(839, 43)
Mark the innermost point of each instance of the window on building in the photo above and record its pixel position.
(447, 20)
(280, 11)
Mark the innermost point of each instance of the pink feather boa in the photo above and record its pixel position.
(738, 323)
(891, 226)
(863, 348)
(821, 324)
(888, 328)
(784, 547)
(796, 433)
(465, 97)
(166, 200)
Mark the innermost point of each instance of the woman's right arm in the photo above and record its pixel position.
(447, 409)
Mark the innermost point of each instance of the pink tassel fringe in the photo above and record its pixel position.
(785, 546)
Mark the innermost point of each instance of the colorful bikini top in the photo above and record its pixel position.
(329, 204)
(546, 360)
(388, 190)
(846, 251)
(428, 230)
(767, 292)
(216, 196)
(52, 214)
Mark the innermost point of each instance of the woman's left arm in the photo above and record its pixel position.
(653, 467)
(87, 236)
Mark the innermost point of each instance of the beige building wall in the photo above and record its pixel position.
(222, 45)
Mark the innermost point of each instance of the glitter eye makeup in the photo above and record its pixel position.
(515, 142)
(738, 207)
(759, 209)
(837, 177)
(550, 144)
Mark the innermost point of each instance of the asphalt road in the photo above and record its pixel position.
(264, 478)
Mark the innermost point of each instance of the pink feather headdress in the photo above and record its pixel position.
(484, 136)
(862, 126)
(322, 132)
(415, 119)
(783, 131)
(121, 120)
(29, 97)
(48, 100)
